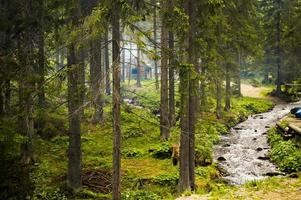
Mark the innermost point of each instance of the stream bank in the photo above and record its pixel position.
(243, 153)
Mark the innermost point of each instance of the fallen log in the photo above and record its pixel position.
(284, 129)
(295, 129)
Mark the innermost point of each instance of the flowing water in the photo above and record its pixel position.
(243, 153)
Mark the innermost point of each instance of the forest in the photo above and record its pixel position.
(150, 99)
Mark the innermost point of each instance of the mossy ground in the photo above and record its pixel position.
(143, 175)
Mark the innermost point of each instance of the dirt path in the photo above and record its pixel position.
(251, 91)
(258, 92)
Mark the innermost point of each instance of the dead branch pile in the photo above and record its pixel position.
(97, 180)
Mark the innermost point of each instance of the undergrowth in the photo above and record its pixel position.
(284, 153)
(147, 170)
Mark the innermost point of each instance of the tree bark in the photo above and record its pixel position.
(189, 102)
(239, 58)
(116, 7)
(26, 89)
(278, 48)
(171, 72)
(193, 89)
(7, 96)
(218, 99)
(74, 108)
(1, 98)
(82, 79)
(130, 66)
(138, 83)
(74, 102)
(107, 64)
(123, 63)
(228, 88)
(164, 122)
(96, 75)
(155, 39)
(203, 99)
(41, 59)
(184, 180)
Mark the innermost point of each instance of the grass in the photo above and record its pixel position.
(267, 189)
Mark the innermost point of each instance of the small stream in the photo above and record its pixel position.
(243, 153)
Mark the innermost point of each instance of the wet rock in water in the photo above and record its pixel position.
(254, 139)
(264, 133)
(221, 159)
(237, 128)
(261, 117)
(222, 171)
(267, 127)
(255, 131)
(263, 158)
(274, 174)
(259, 149)
(226, 145)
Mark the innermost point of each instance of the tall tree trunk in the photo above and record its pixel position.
(239, 58)
(123, 62)
(74, 102)
(107, 64)
(130, 66)
(96, 75)
(164, 122)
(184, 181)
(74, 108)
(116, 7)
(26, 89)
(190, 104)
(138, 83)
(7, 96)
(1, 98)
(171, 72)
(155, 39)
(228, 88)
(218, 99)
(82, 79)
(278, 48)
(203, 99)
(41, 59)
(193, 89)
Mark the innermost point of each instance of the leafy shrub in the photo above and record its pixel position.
(10, 140)
(284, 153)
(203, 155)
(45, 191)
(206, 136)
(167, 179)
(201, 171)
(105, 163)
(131, 152)
(61, 141)
(162, 151)
(131, 131)
(48, 193)
(49, 125)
